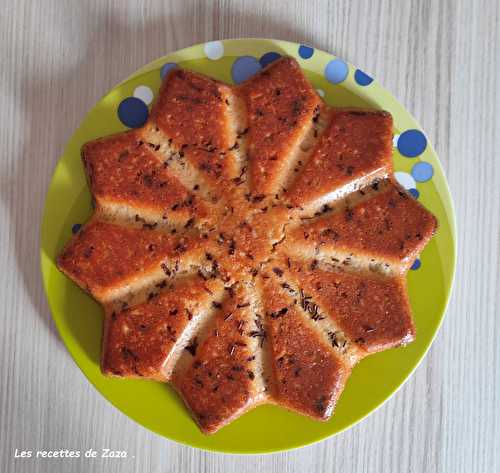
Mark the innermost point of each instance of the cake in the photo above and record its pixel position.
(249, 244)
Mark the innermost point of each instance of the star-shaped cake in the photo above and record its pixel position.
(249, 244)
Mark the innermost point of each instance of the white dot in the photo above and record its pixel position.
(406, 180)
(144, 93)
(321, 92)
(214, 50)
(395, 141)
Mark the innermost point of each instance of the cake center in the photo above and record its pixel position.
(246, 237)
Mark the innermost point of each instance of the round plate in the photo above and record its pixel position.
(267, 428)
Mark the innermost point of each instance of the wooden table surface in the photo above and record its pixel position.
(441, 59)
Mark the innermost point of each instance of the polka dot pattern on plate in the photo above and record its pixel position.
(133, 112)
(305, 52)
(416, 264)
(75, 228)
(244, 67)
(166, 68)
(362, 78)
(422, 171)
(336, 71)
(144, 93)
(268, 58)
(405, 179)
(214, 50)
(411, 143)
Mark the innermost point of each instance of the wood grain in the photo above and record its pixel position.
(440, 58)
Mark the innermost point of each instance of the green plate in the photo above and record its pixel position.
(267, 428)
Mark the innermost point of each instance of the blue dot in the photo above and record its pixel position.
(414, 193)
(133, 112)
(305, 52)
(268, 58)
(362, 78)
(75, 228)
(166, 68)
(336, 71)
(422, 171)
(416, 264)
(411, 143)
(244, 67)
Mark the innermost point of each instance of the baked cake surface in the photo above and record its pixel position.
(249, 244)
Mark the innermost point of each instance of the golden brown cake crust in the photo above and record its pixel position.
(372, 311)
(249, 244)
(139, 339)
(192, 112)
(219, 383)
(123, 169)
(308, 375)
(188, 109)
(356, 144)
(280, 103)
(105, 255)
(387, 226)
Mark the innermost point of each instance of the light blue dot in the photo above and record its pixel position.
(214, 50)
(416, 264)
(362, 78)
(132, 112)
(75, 228)
(268, 58)
(244, 67)
(336, 71)
(305, 52)
(411, 143)
(422, 171)
(166, 68)
(414, 192)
